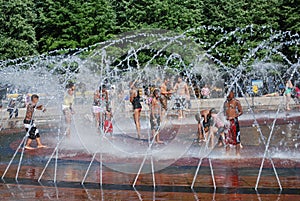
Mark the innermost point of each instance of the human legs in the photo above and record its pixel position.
(136, 117)
(200, 132)
(68, 120)
(33, 134)
(238, 133)
(155, 127)
(10, 111)
(181, 107)
(97, 119)
(288, 99)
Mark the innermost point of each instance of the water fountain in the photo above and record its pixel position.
(148, 56)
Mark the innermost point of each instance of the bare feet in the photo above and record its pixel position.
(29, 147)
(201, 140)
(41, 146)
(159, 142)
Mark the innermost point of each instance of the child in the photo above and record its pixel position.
(30, 127)
(108, 127)
(67, 107)
(155, 116)
(12, 108)
(218, 127)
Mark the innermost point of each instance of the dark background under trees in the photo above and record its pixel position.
(31, 27)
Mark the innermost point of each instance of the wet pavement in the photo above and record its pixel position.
(175, 163)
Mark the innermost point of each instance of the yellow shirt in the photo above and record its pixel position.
(68, 100)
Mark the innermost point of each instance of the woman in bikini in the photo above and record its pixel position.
(137, 106)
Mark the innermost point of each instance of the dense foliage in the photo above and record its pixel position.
(36, 26)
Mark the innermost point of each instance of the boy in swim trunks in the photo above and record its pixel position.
(232, 110)
(30, 127)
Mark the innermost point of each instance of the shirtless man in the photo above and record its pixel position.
(165, 95)
(232, 110)
(30, 127)
(155, 116)
(183, 94)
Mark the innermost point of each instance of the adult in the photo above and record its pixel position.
(137, 106)
(182, 92)
(165, 95)
(232, 110)
(67, 106)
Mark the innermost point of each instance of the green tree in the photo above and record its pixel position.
(17, 33)
(163, 14)
(71, 23)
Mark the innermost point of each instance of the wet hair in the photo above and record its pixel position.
(213, 111)
(70, 85)
(155, 92)
(231, 95)
(34, 96)
(103, 86)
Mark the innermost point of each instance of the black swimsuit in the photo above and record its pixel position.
(136, 102)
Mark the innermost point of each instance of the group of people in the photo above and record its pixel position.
(209, 122)
(31, 130)
(291, 92)
(158, 104)
(211, 125)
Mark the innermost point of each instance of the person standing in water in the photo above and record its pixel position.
(232, 110)
(165, 95)
(183, 94)
(12, 108)
(100, 105)
(204, 123)
(155, 116)
(30, 127)
(137, 106)
(67, 107)
(288, 93)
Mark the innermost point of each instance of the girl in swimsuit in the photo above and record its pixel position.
(288, 93)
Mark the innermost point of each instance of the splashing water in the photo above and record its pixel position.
(148, 57)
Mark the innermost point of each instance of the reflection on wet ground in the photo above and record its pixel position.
(235, 173)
